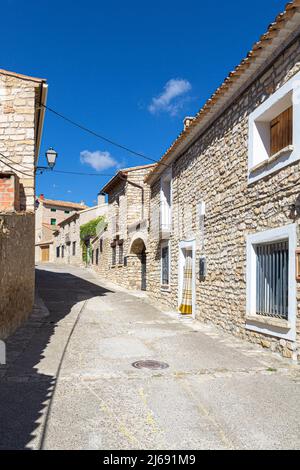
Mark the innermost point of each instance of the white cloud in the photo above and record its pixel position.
(97, 160)
(173, 97)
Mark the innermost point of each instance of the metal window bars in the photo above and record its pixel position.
(272, 270)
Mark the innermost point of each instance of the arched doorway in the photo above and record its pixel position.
(139, 261)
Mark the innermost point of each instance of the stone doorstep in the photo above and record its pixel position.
(269, 321)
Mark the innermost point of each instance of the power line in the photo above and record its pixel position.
(12, 168)
(56, 171)
(82, 173)
(15, 163)
(96, 134)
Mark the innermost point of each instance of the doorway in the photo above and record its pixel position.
(187, 278)
(139, 260)
(45, 253)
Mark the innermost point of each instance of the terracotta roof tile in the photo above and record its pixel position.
(72, 205)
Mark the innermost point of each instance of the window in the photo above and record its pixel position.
(53, 222)
(165, 265)
(281, 131)
(62, 251)
(121, 254)
(165, 205)
(271, 282)
(92, 256)
(101, 245)
(113, 255)
(74, 248)
(97, 256)
(52, 209)
(57, 252)
(272, 263)
(67, 212)
(273, 140)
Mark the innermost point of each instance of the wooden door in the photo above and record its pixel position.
(45, 253)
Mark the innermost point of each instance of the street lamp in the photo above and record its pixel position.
(51, 156)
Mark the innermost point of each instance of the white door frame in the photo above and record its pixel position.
(183, 245)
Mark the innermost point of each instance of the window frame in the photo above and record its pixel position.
(285, 329)
(260, 162)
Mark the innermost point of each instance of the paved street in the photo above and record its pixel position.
(70, 383)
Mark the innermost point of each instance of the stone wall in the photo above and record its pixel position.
(128, 215)
(68, 232)
(65, 236)
(214, 169)
(17, 139)
(17, 270)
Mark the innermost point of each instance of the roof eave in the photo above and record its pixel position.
(120, 176)
(41, 119)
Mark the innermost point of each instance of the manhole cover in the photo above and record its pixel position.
(150, 365)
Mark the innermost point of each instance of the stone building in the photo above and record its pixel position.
(49, 213)
(225, 210)
(21, 125)
(67, 247)
(120, 250)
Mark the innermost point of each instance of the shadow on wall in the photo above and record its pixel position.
(24, 392)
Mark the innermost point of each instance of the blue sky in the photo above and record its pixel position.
(128, 70)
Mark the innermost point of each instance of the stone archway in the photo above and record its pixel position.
(137, 263)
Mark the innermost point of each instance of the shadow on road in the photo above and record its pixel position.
(24, 391)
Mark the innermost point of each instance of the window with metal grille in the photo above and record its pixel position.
(113, 256)
(281, 134)
(165, 275)
(121, 254)
(272, 281)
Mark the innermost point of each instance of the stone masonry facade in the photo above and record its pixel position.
(17, 270)
(67, 246)
(19, 99)
(122, 247)
(21, 123)
(214, 169)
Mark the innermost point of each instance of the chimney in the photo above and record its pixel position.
(187, 121)
(42, 196)
(82, 203)
(100, 199)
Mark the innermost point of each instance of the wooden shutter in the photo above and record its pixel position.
(281, 131)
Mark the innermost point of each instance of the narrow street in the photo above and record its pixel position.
(70, 384)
